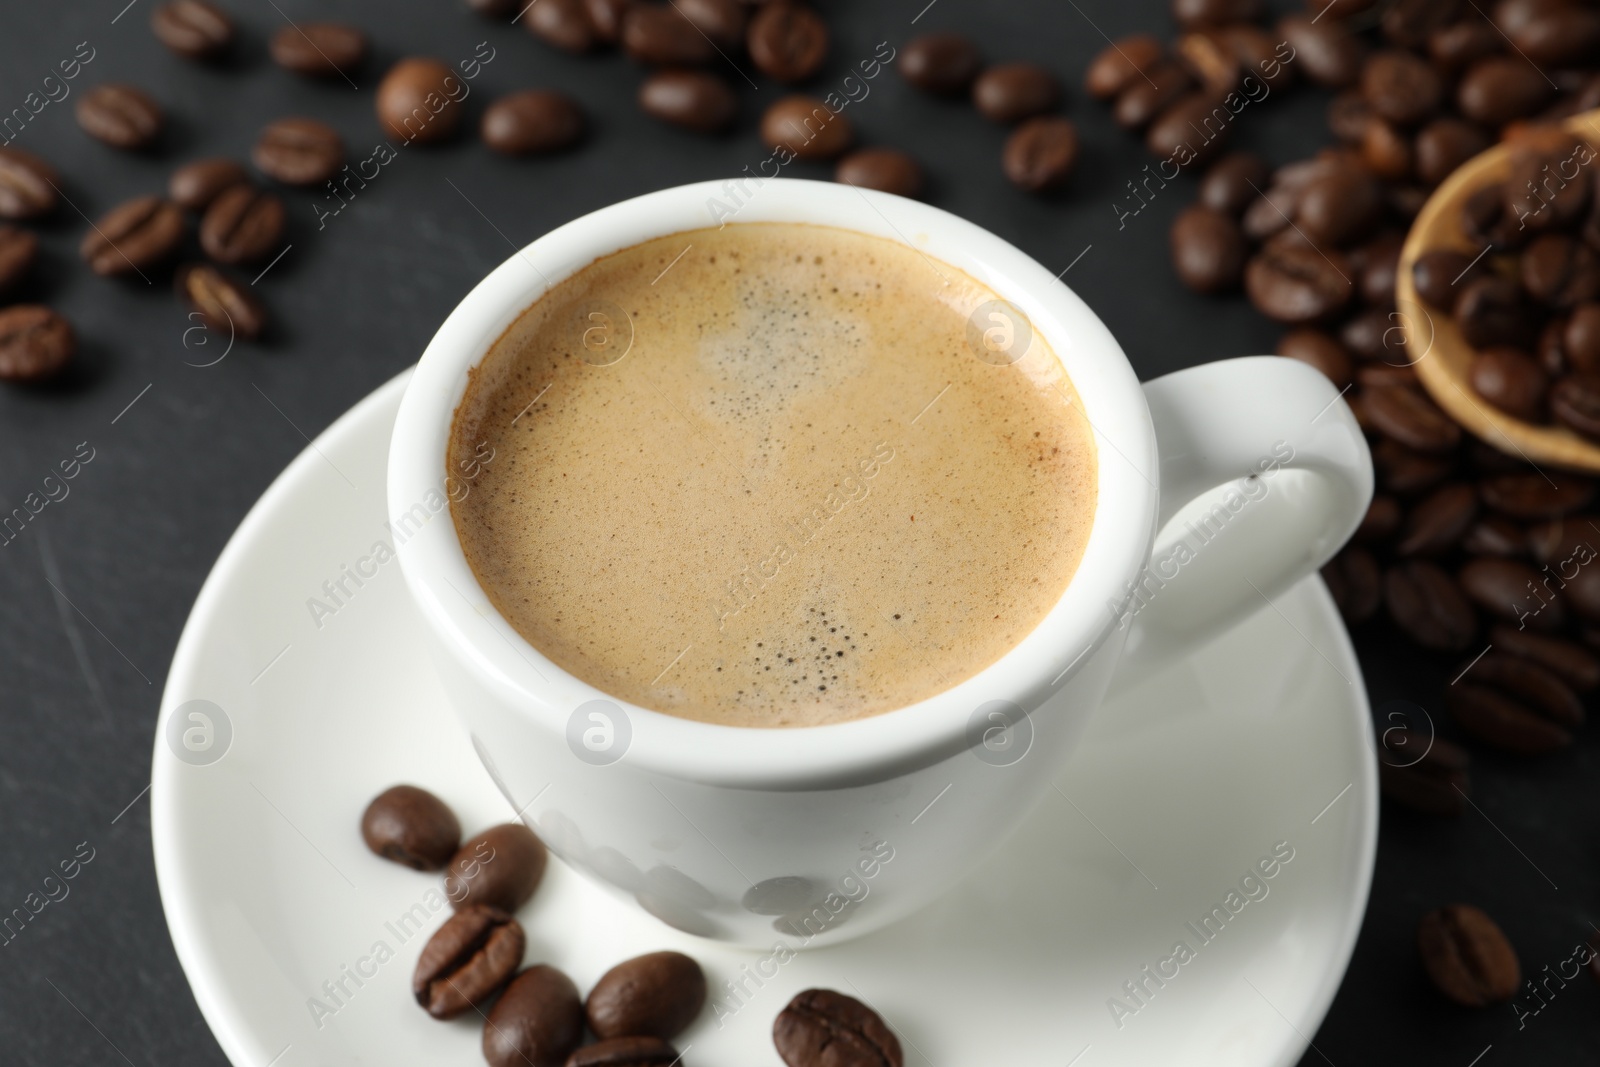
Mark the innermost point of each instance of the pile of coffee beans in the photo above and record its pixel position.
(1471, 553)
(533, 1016)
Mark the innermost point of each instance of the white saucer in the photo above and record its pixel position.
(1181, 786)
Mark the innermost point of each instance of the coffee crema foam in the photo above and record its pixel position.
(798, 497)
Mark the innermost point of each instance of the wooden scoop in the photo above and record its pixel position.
(1445, 355)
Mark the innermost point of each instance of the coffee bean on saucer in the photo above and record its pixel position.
(1297, 283)
(195, 185)
(942, 64)
(1401, 87)
(1040, 154)
(1318, 349)
(134, 235)
(1329, 54)
(658, 35)
(821, 1027)
(605, 18)
(35, 343)
(241, 225)
(888, 170)
(1208, 250)
(1012, 92)
(18, 249)
(1423, 772)
(501, 868)
(1426, 603)
(721, 20)
(119, 115)
(27, 185)
(467, 960)
(1575, 403)
(1435, 275)
(806, 127)
(1533, 495)
(1511, 380)
(1499, 89)
(1233, 182)
(1381, 521)
(1467, 956)
(405, 94)
(1439, 521)
(410, 825)
(531, 121)
(224, 307)
(192, 28)
(1355, 584)
(1443, 145)
(655, 995)
(537, 1022)
(1151, 95)
(631, 1052)
(562, 24)
(319, 49)
(1571, 662)
(298, 151)
(694, 99)
(788, 42)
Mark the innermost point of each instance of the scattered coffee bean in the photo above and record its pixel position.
(224, 307)
(1404, 471)
(1569, 661)
(1348, 115)
(695, 100)
(119, 115)
(1423, 772)
(722, 20)
(192, 28)
(1160, 88)
(319, 49)
(565, 24)
(35, 343)
(1213, 64)
(27, 185)
(537, 1022)
(1121, 64)
(1580, 339)
(886, 169)
(134, 235)
(944, 64)
(531, 121)
(1012, 92)
(410, 825)
(605, 18)
(1499, 89)
(501, 868)
(656, 995)
(242, 224)
(821, 1028)
(806, 127)
(1386, 151)
(1208, 250)
(1339, 206)
(493, 8)
(1355, 584)
(1439, 521)
(1329, 54)
(419, 100)
(1508, 724)
(1041, 153)
(1233, 182)
(1537, 496)
(1530, 683)
(1426, 603)
(788, 42)
(658, 35)
(1443, 145)
(1297, 283)
(1214, 12)
(1467, 956)
(18, 249)
(467, 960)
(1504, 588)
(1401, 87)
(1511, 380)
(1461, 43)
(195, 185)
(1409, 23)
(1494, 535)
(627, 1052)
(298, 151)
(1381, 521)
(1320, 351)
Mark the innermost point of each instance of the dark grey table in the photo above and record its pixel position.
(97, 587)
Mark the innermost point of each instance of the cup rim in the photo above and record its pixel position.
(480, 640)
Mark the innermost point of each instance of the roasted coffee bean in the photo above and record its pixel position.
(119, 115)
(1511, 380)
(1270, 213)
(298, 151)
(806, 127)
(1443, 145)
(1379, 263)
(537, 1022)
(1559, 272)
(1439, 274)
(1380, 522)
(1423, 772)
(1386, 151)
(493, 8)
(533, 120)
(1400, 87)
(35, 343)
(1429, 606)
(27, 185)
(1040, 154)
(1467, 957)
(628, 1052)
(944, 64)
(1504, 722)
(1550, 352)
(1210, 60)
(1530, 683)
(1580, 338)
(658, 35)
(605, 18)
(410, 825)
(1409, 417)
(1258, 54)
(419, 100)
(1355, 584)
(1438, 521)
(18, 249)
(695, 100)
(501, 868)
(195, 185)
(134, 235)
(192, 28)
(1409, 23)
(1114, 69)
(1493, 311)
(1297, 284)
(1340, 206)
(319, 49)
(1461, 43)
(1499, 89)
(721, 20)
(886, 169)
(1556, 34)
(1383, 376)
(241, 225)
(1233, 182)
(1505, 588)
(1484, 220)
(655, 995)
(1575, 403)
(1404, 471)
(1493, 535)
(1320, 351)
(226, 307)
(1214, 12)
(1406, 201)
(1173, 134)
(1012, 92)
(1329, 54)
(1568, 660)
(1163, 86)
(821, 1028)
(1536, 496)
(565, 24)
(1348, 115)
(1208, 250)
(1340, 9)
(788, 42)
(467, 960)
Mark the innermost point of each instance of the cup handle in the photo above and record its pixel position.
(1268, 474)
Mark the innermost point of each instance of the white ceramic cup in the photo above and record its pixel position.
(807, 836)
